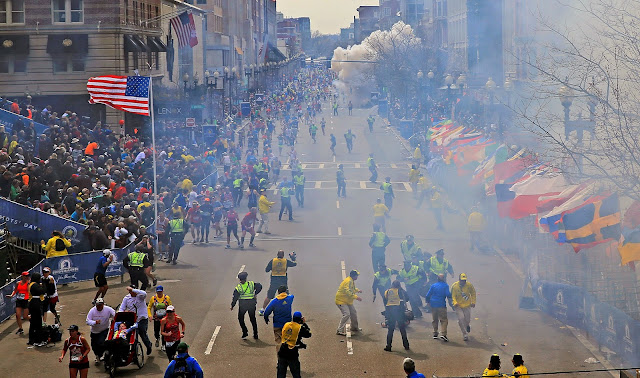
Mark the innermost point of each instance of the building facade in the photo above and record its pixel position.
(389, 13)
(412, 11)
(367, 23)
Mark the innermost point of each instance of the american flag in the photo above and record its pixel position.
(185, 29)
(126, 93)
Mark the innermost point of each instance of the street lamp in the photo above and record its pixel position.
(420, 75)
(185, 79)
(461, 82)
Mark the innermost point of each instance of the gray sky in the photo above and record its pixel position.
(327, 16)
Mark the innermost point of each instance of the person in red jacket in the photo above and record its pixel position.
(248, 225)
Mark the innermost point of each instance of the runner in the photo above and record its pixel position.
(232, 226)
(248, 225)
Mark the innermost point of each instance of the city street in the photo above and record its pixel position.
(330, 237)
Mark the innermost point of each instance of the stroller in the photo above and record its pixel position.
(119, 355)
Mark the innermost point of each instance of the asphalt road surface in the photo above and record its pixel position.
(327, 235)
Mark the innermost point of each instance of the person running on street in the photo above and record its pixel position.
(414, 176)
(285, 201)
(395, 302)
(346, 294)
(292, 334)
(170, 331)
(135, 302)
(341, 181)
(382, 280)
(21, 292)
(380, 212)
(422, 188)
(350, 105)
(409, 248)
(248, 225)
(299, 181)
(413, 278)
(438, 265)
(157, 309)
(323, 124)
(194, 217)
(232, 226)
(409, 367)
(436, 298)
(278, 268)
(99, 277)
(476, 224)
(349, 137)
(98, 319)
(135, 262)
(313, 130)
(79, 349)
(280, 306)
(332, 139)
(373, 168)
(370, 120)
(178, 228)
(378, 244)
(245, 295)
(464, 299)
(519, 370)
(206, 212)
(264, 206)
(183, 365)
(51, 295)
(387, 190)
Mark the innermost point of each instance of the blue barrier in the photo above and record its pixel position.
(34, 225)
(81, 266)
(8, 305)
(8, 118)
(611, 327)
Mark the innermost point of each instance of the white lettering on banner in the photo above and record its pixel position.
(65, 267)
(115, 266)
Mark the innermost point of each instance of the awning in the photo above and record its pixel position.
(142, 43)
(132, 44)
(274, 54)
(156, 44)
(61, 43)
(14, 44)
(238, 50)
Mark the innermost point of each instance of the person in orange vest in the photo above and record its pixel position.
(21, 292)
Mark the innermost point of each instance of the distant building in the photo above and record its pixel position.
(305, 32)
(518, 32)
(412, 11)
(289, 37)
(367, 22)
(347, 35)
(389, 13)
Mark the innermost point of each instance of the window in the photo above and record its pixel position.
(11, 11)
(201, 2)
(68, 11)
(13, 63)
(68, 63)
(386, 11)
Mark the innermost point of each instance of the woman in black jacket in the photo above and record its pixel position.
(36, 296)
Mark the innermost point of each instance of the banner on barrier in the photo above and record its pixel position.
(8, 305)
(81, 266)
(34, 225)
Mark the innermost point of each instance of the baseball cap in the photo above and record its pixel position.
(46, 269)
(297, 314)
(171, 308)
(463, 276)
(106, 252)
(73, 327)
(99, 301)
(182, 347)
(24, 274)
(440, 252)
(159, 288)
(354, 273)
(408, 364)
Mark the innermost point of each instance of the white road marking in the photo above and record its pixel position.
(349, 343)
(212, 341)
(337, 204)
(167, 281)
(318, 185)
(339, 231)
(407, 186)
(304, 166)
(321, 166)
(241, 269)
(393, 165)
(344, 271)
(357, 165)
(334, 157)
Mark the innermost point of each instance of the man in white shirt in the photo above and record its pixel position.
(135, 302)
(98, 318)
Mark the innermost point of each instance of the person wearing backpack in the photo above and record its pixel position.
(184, 366)
(56, 246)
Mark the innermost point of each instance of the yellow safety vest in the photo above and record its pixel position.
(176, 225)
(290, 332)
(246, 290)
(379, 242)
(386, 187)
(370, 162)
(284, 192)
(279, 267)
(438, 268)
(237, 183)
(407, 252)
(135, 259)
(383, 281)
(299, 180)
(411, 276)
(393, 298)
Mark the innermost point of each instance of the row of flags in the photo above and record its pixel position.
(582, 215)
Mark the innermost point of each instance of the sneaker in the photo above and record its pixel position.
(258, 232)
(148, 351)
(444, 338)
(406, 348)
(244, 336)
(267, 232)
(194, 242)
(468, 328)
(387, 348)
(168, 261)
(163, 348)
(155, 282)
(435, 335)
(157, 343)
(227, 247)
(261, 312)
(20, 331)
(241, 246)
(356, 330)
(255, 337)
(174, 262)
(201, 240)
(97, 360)
(93, 302)
(466, 338)
(252, 245)
(341, 333)
(207, 241)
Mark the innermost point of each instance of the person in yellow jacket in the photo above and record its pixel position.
(417, 155)
(157, 309)
(55, 248)
(436, 207)
(422, 188)
(380, 212)
(493, 370)
(264, 206)
(346, 294)
(464, 299)
(476, 224)
(519, 370)
(414, 176)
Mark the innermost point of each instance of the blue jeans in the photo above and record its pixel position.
(143, 325)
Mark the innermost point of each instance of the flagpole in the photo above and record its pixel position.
(154, 151)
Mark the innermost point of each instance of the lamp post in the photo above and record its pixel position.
(490, 86)
(448, 81)
(185, 79)
(461, 82)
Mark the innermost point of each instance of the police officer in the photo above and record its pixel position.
(378, 243)
(285, 202)
(245, 294)
(413, 278)
(373, 168)
(178, 227)
(387, 189)
(278, 268)
(394, 302)
(341, 181)
(135, 262)
(437, 265)
(382, 280)
(299, 181)
(409, 248)
(237, 190)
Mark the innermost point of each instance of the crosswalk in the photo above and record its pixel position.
(347, 165)
(401, 186)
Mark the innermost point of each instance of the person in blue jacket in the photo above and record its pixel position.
(184, 365)
(281, 308)
(437, 296)
(410, 369)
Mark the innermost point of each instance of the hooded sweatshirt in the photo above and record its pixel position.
(281, 308)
